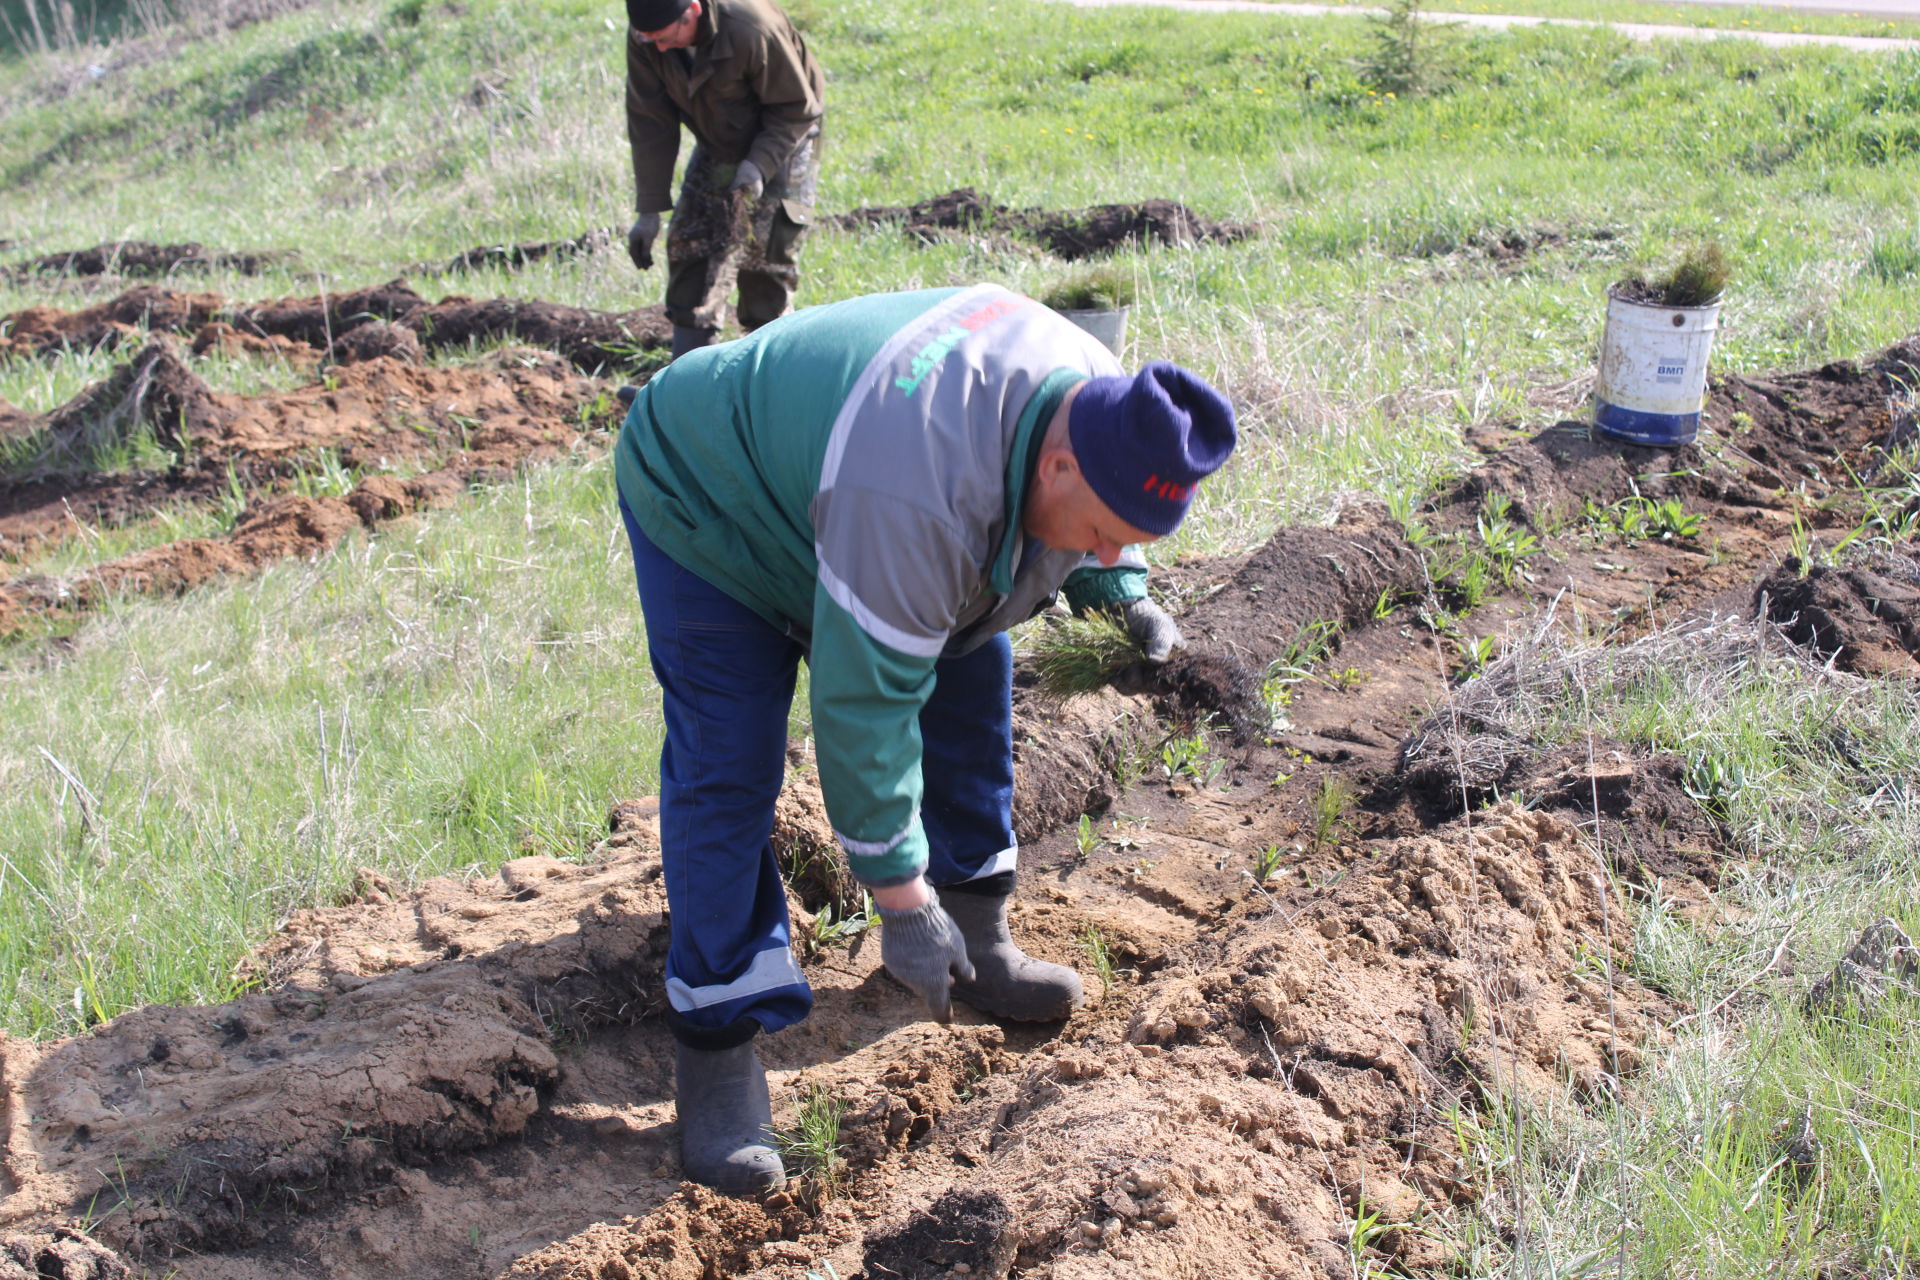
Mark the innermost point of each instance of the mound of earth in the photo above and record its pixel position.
(139, 258)
(595, 341)
(465, 425)
(1864, 617)
(1082, 233)
(515, 256)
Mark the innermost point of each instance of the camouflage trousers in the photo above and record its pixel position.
(718, 239)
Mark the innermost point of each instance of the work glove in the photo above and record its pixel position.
(923, 948)
(640, 237)
(1151, 629)
(749, 179)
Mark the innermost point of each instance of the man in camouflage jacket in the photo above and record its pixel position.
(739, 76)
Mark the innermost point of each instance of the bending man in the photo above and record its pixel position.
(882, 486)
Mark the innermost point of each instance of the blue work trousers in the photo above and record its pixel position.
(726, 680)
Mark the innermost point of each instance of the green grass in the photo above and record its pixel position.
(443, 697)
(1812, 774)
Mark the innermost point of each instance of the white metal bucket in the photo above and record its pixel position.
(1109, 328)
(1653, 371)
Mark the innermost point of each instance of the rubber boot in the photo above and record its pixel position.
(726, 1120)
(1007, 983)
(686, 339)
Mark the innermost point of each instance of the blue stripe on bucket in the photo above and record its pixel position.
(1640, 427)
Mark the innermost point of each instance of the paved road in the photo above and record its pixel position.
(1908, 9)
(1633, 30)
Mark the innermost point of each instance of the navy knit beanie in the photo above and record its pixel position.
(654, 15)
(1144, 442)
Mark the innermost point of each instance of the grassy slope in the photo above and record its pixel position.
(428, 701)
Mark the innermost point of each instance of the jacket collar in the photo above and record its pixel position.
(1027, 436)
(712, 42)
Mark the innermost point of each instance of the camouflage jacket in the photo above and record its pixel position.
(753, 92)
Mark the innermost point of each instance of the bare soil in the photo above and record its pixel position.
(1069, 234)
(515, 256)
(140, 258)
(470, 1078)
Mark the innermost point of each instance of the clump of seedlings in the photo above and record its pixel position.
(1097, 289)
(1698, 279)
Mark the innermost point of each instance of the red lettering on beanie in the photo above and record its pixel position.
(1148, 487)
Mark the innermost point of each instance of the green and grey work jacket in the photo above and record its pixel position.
(750, 91)
(855, 473)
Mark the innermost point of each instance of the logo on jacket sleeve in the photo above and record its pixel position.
(928, 357)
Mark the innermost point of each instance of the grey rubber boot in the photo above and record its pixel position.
(685, 339)
(726, 1120)
(1007, 983)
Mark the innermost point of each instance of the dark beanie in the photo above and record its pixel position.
(654, 15)
(1144, 442)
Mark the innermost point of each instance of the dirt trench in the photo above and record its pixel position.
(468, 1077)
(142, 258)
(1069, 234)
(308, 329)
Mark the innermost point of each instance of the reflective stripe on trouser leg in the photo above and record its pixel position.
(726, 682)
(966, 730)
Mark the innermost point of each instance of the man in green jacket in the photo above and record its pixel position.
(739, 76)
(882, 487)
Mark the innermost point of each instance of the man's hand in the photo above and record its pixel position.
(922, 947)
(640, 237)
(749, 179)
(1151, 629)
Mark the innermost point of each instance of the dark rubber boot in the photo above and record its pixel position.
(1008, 983)
(685, 339)
(726, 1120)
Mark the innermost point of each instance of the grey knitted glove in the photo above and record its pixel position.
(923, 948)
(640, 238)
(748, 178)
(1152, 630)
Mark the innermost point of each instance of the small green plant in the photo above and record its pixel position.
(1364, 1235)
(1100, 956)
(1189, 757)
(831, 928)
(1401, 63)
(1085, 838)
(1266, 864)
(326, 476)
(1347, 679)
(1475, 653)
(1715, 783)
(1671, 517)
(1508, 543)
(1101, 289)
(1328, 816)
(1470, 579)
(811, 1148)
(1309, 646)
